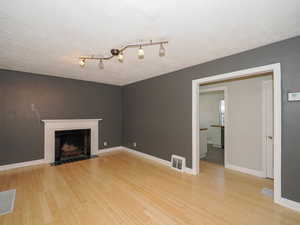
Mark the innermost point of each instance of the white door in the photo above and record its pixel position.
(268, 127)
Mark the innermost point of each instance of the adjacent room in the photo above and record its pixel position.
(149, 112)
(212, 121)
(236, 125)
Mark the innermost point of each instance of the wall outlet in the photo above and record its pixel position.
(134, 144)
(105, 143)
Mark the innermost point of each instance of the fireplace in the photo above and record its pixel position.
(72, 145)
(51, 126)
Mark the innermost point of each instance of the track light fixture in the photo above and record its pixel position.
(119, 53)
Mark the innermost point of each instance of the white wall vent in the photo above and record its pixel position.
(178, 162)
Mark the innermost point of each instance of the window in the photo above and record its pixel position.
(222, 111)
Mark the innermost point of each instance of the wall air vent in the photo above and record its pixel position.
(178, 162)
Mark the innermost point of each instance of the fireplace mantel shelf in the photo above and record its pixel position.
(71, 120)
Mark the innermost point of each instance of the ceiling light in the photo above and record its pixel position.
(82, 62)
(141, 53)
(119, 52)
(101, 64)
(162, 50)
(121, 57)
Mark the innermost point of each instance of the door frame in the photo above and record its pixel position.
(276, 70)
(226, 119)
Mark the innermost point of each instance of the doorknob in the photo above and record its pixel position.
(270, 137)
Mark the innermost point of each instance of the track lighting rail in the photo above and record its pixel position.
(119, 52)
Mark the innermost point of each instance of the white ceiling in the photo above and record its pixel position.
(48, 36)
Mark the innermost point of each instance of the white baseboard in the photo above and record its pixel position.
(147, 156)
(43, 161)
(245, 170)
(100, 152)
(22, 164)
(203, 155)
(217, 146)
(188, 170)
(106, 150)
(289, 204)
(156, 159)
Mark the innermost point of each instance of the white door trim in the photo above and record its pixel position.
(276, 69)
(226, 120)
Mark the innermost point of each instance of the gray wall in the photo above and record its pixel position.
(21, 132)
(157, 113)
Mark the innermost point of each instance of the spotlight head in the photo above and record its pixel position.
(82, 62)
(141, 53)
(115, 52)
(121, 57)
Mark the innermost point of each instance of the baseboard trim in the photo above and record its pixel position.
(189, 171)
(289, 204)
(22, 164)
(217, 146)
(107, 150)
(100, 152)
(156, 159)
(203, 155)
(43, 161)
(246, 170)
(147, 156)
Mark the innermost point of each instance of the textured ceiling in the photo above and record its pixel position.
(48, 36)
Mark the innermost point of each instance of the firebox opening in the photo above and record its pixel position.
(72, 145)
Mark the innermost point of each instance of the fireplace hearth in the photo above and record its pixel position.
(72, 145)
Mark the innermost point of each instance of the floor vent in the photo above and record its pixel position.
(178, 162)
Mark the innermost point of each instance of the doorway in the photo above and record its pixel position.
(246, 125)
(273, 68)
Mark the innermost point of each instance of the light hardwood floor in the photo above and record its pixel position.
(123, 189)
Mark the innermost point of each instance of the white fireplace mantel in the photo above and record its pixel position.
(71, 120)
(69, 124)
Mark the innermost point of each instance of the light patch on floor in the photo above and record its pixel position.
(267, 192)
(7, 199)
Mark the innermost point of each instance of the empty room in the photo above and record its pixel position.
(149, 112)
